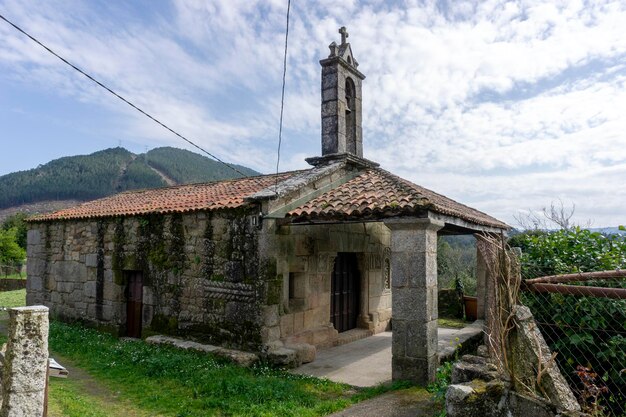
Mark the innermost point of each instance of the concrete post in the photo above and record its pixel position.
(414, 298)
(25, 363)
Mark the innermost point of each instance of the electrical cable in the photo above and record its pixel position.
(119, 96)
(282, 98)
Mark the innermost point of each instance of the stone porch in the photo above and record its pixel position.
(367, 362)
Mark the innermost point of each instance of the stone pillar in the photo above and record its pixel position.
(481, 284)
(25, 363)
(414, 298)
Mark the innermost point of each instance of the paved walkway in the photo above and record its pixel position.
(367, 362)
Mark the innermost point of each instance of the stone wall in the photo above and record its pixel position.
(532, 384)
(12, 284)
(201, 273)
(305, 255)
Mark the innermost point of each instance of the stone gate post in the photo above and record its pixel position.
(414, 298)
(25, 363)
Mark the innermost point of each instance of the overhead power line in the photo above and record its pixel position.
(282, 98)
(154, 119)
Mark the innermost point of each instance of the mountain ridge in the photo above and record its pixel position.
(81, 178)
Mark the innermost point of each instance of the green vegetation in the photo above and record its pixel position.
(10, 299)
(568, 251)
(69, 398)
(451, 323)
(78, 177)
(186, 167)
(17, 222)
(10, 252)
(172, 382)
(139, 175)
(585, 331)
(456, 263)
(440, 386)
(106, 172)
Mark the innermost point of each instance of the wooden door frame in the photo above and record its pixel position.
(129, 275)
(349, 319)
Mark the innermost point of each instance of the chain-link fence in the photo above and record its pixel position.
(583, 319)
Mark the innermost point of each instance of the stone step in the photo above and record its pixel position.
(352, 336)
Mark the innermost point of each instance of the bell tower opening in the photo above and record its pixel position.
(350, 117)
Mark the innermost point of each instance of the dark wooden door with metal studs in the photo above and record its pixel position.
(134, 304)
(344, 292)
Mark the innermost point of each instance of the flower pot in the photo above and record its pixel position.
(471, 307)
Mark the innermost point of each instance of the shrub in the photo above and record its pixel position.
(584, 331)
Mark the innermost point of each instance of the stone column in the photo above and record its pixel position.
(414, 298)
(481, 285)
(25, 363)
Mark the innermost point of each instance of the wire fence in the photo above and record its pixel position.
(583, 319)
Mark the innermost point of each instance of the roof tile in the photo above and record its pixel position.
(178, 199)
(377, 192)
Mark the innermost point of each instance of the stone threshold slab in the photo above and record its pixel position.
(237, 356)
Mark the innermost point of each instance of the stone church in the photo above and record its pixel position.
(267, 262)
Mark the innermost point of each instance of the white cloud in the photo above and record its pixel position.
(503, 105)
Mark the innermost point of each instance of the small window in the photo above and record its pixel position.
(292, 285)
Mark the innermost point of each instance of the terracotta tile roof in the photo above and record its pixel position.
(178, 199)
(378, 193)
(375, 193)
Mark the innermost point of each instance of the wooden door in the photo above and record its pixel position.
(134, 304)
(344, 292)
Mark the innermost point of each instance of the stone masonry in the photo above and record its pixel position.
(205, 277)
(414, 286)
(305, 257)
(342, 130)
(201, 272)
(25, 363)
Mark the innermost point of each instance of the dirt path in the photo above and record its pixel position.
(411, 402)
(101, 396)
(87, 383)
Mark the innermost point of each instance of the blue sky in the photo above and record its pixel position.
(504, 106)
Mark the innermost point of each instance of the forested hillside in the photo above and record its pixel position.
(186, 167)
(107, 172)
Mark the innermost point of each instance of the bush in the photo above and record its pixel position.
(584, 331)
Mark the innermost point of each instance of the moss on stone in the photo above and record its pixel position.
(164, 324)
(118, 257)
(274, 292)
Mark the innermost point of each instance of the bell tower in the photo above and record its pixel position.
(341, 101)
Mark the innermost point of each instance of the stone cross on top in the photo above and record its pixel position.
(344, 35)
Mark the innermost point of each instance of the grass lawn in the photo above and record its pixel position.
(12, 276)
(134, 379)
(9, 299)
(170, 382)
(68, 398)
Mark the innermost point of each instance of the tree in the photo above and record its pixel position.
(456, 263)
(10, 252)
(17, 221)
(557, 216)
